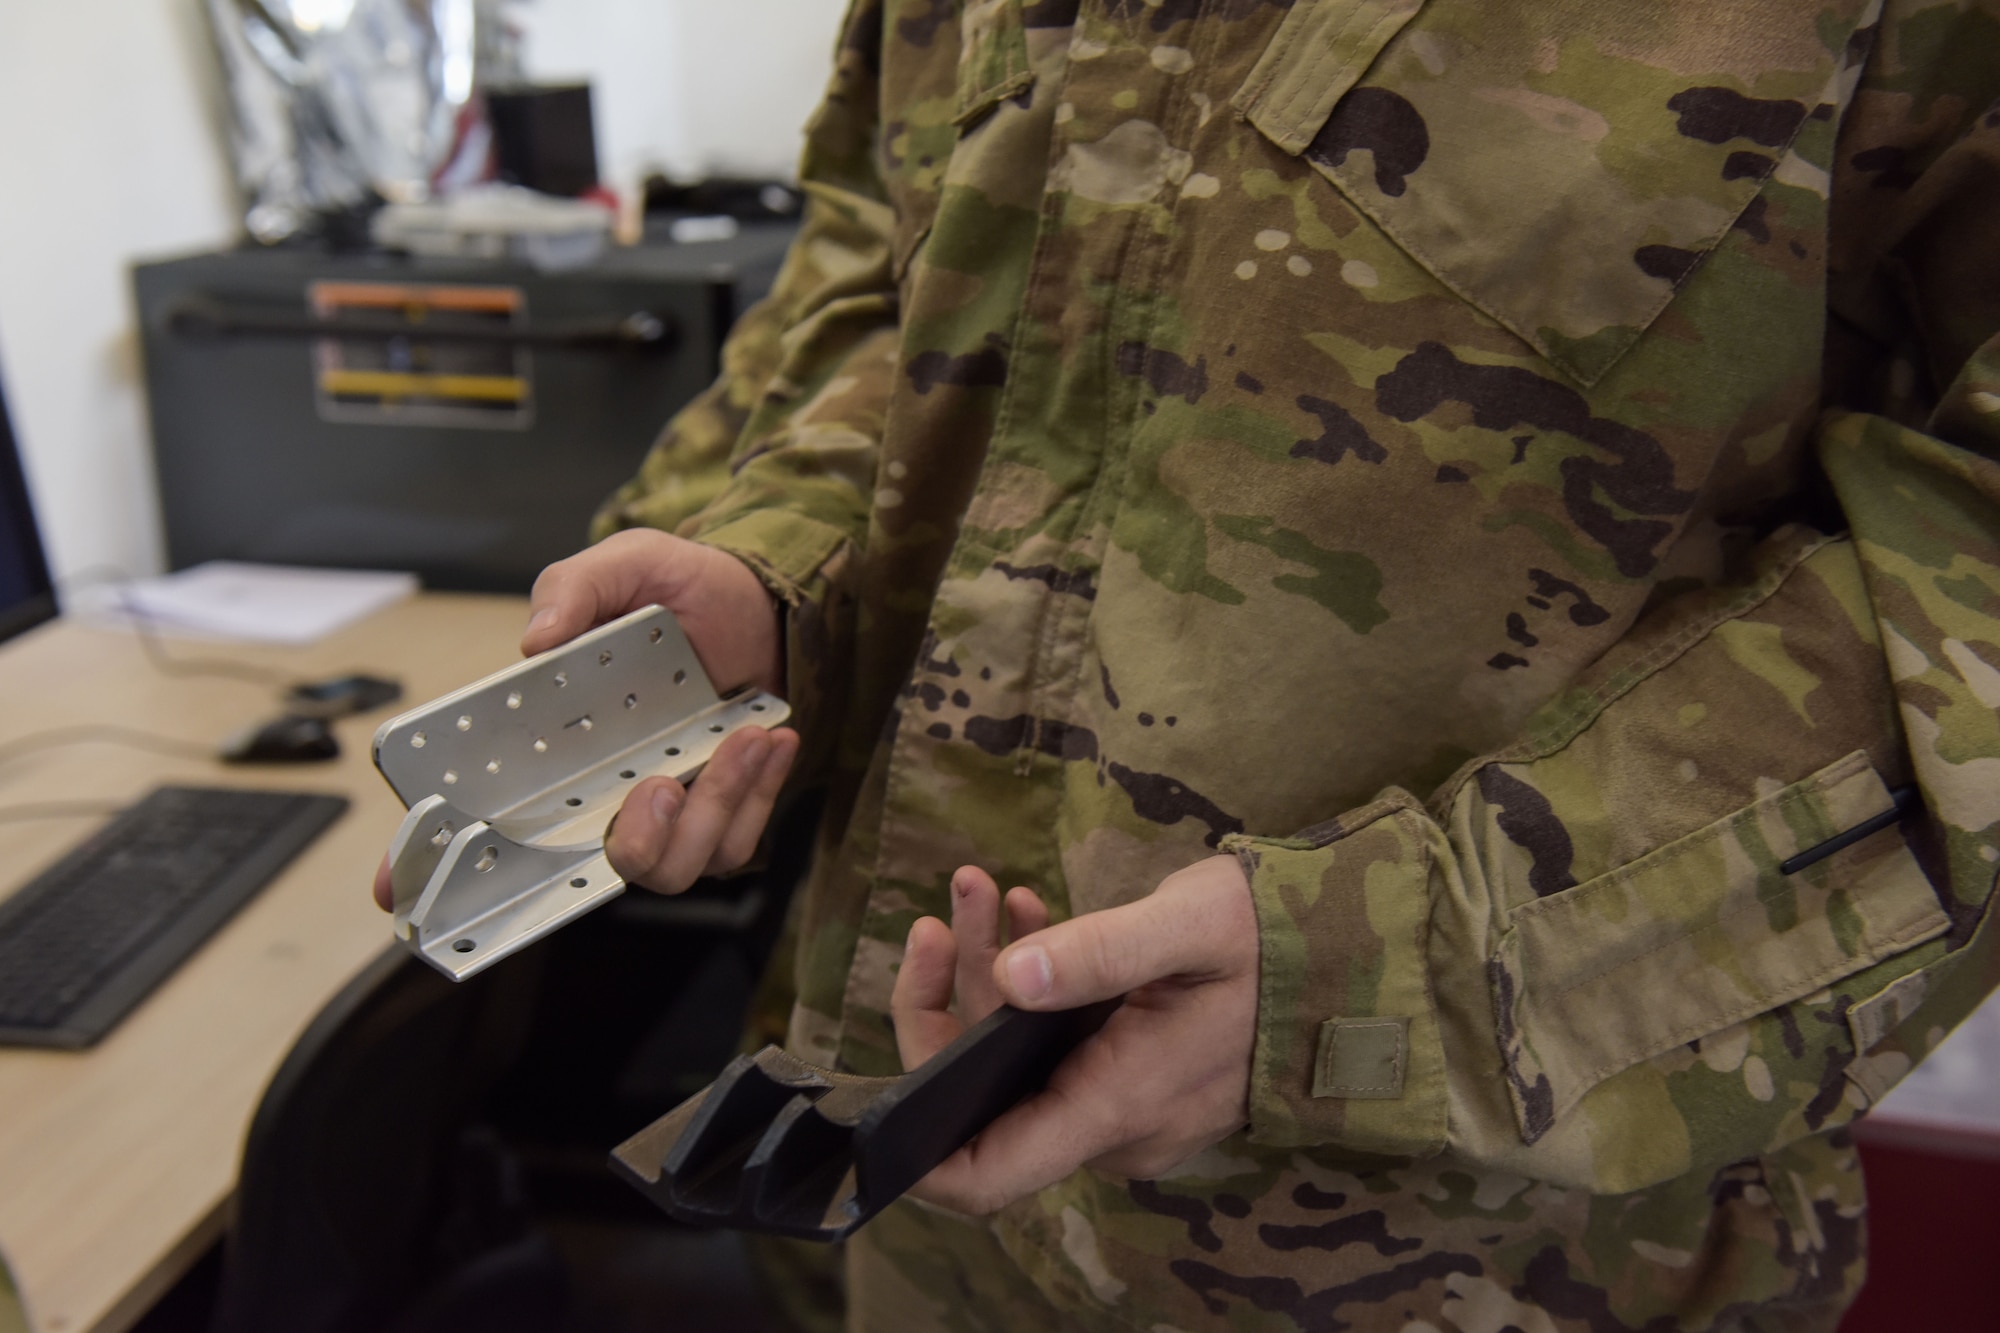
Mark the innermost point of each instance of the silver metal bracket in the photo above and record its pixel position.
(511, 781)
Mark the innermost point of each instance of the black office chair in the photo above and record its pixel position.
(397, 1176)
(366, 1180)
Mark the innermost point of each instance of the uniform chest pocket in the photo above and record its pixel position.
(1565, 166)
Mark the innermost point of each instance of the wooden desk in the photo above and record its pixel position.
(116, 1164)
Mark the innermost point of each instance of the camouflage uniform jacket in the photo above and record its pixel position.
(1514, 472)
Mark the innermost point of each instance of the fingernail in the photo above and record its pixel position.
(542, 619)
(665, 805)
(1029, 970)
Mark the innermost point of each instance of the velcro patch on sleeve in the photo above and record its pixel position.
(1362, 1058)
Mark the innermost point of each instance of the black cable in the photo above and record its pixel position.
(104, 733)
(146, 627)
(31, 810)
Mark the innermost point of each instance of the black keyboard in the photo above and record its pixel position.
(91, 936)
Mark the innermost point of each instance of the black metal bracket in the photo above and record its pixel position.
(780, 1145)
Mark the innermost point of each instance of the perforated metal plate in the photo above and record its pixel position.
(511, 781)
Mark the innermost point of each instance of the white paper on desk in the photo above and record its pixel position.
(280, 604)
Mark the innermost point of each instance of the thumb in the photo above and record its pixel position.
(1099, 956)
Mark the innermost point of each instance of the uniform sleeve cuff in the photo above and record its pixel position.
(788, 551)
(1347, 1048)
(805, 564)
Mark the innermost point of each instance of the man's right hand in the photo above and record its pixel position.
(665, 836)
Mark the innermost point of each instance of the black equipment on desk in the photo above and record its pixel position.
(544, 136)
(27, 594)
(459, 418)
(91, 936)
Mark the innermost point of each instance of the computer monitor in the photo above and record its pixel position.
(27, 594)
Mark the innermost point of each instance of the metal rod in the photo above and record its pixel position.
(1907, 799)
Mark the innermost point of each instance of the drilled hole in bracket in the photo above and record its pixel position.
(417, 741)
(450, 776)
(492, 765)
(653, 637)
(579, 883)
(574, 800)
(443, 835)
(464, 723)
(604, 658)
(631, 701)
(756, 708)
(488, 858)
(715, 726)
(680, 677)
(673, 750)
(514, 699)
(627, 773)
(463, 946)
(562, 679)
(541, 746)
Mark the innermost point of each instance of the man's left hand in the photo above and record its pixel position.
(1169, 1073)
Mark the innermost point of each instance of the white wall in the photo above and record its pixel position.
(107, 151)
(110, 150)
(689, 86)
